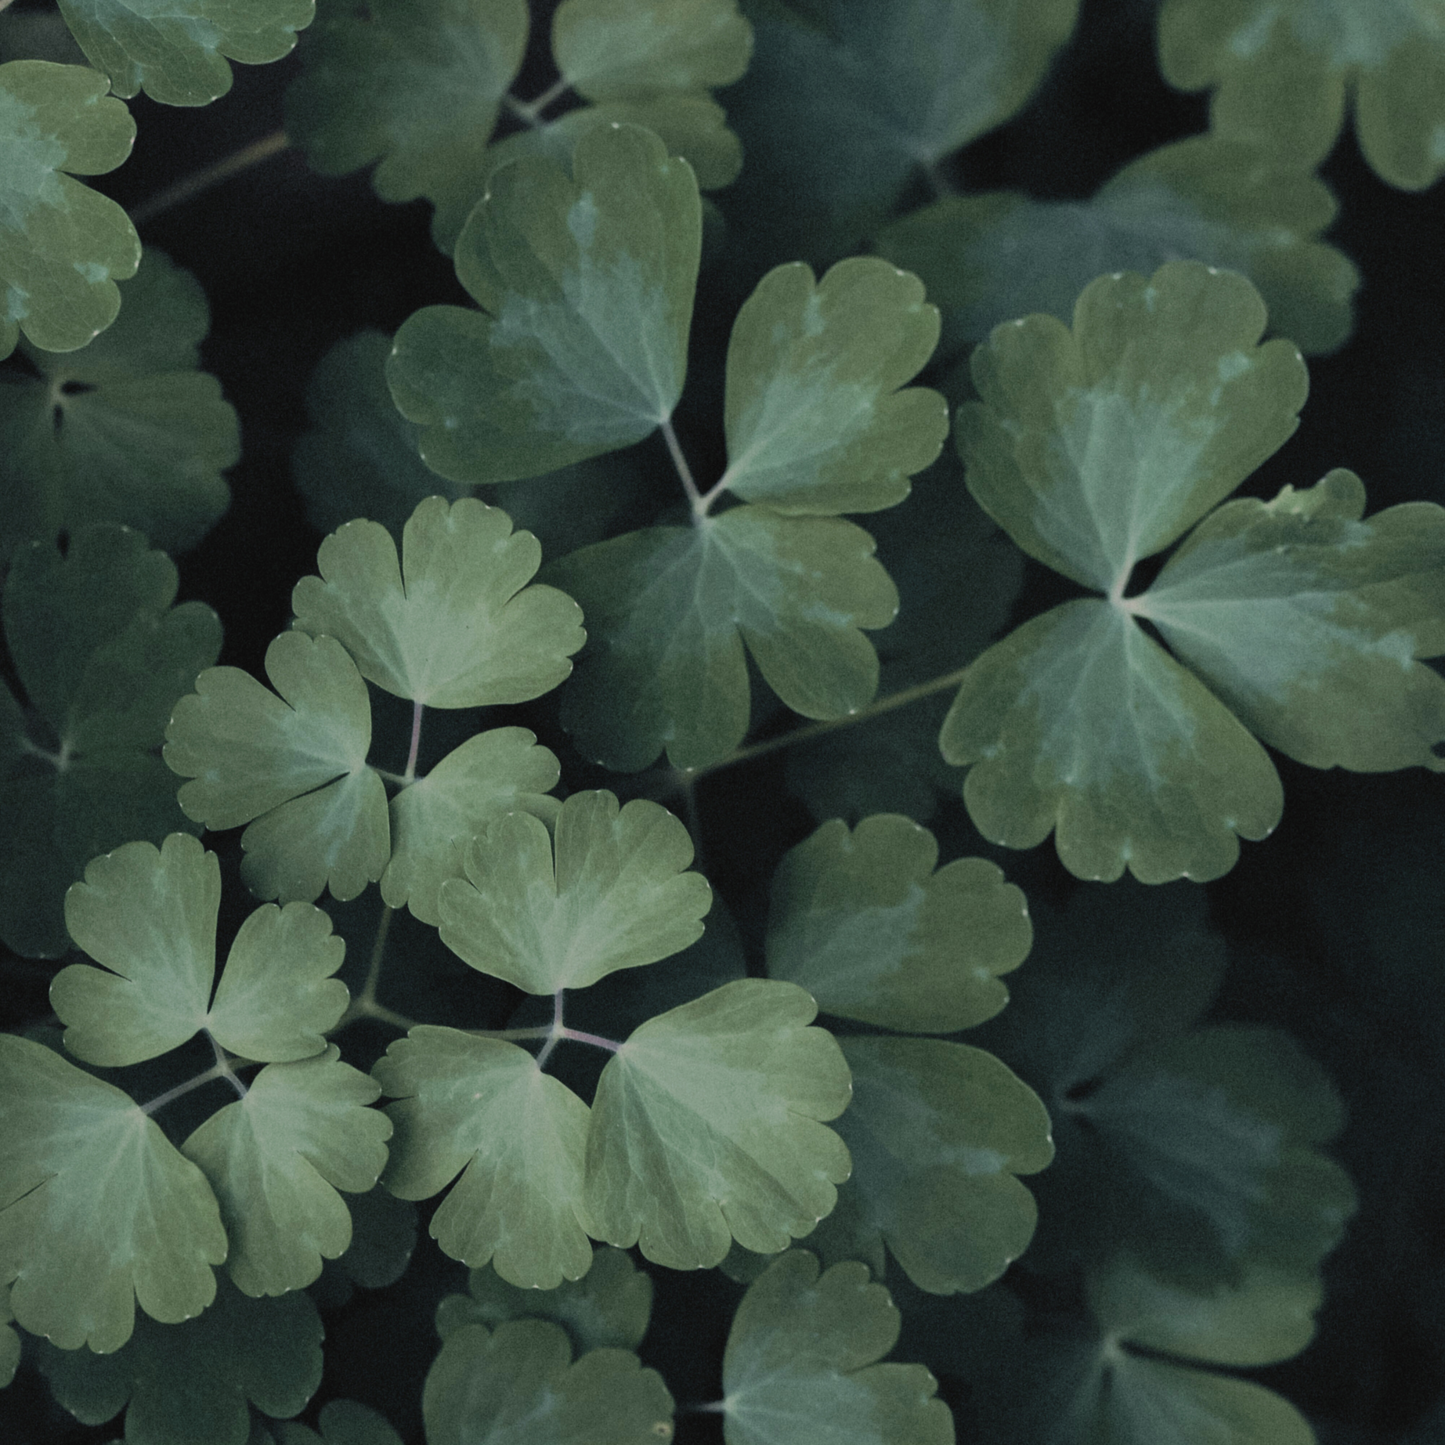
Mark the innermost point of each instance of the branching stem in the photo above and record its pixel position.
(674, 450)
(221, 1069)
(530, 111)
(364, 1005)
(208, 176)
(416, 711)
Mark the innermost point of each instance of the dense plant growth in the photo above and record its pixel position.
(675, 870)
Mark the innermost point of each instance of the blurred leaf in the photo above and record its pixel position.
(343, 1422)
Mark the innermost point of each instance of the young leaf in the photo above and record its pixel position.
(815, 420)
(619, 49)
(102, 657)
(608, 1308)
(97, 1209)
(707, 1126)
(586, 288)
(1282, 72)
(275, 1160)
(617, 896)
(668, 610)
(125, 429)
(414, 84)
(460, 627)
(800, 1366)
(521, 1383)
(342, 1422)
(192, 1381)
(482, 1105)
(297, 767)
(862, 921)
(62, 246)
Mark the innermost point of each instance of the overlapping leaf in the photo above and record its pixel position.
(1283, 73)
(192, 1381)
(1098, 447)
(586, 288)
(521, 1382)
(62, 246)
(342, 1422)
(102, 657)
(97, 1209)
(989, 257)
(801, 1364)
(616, 896)
(9, 1343)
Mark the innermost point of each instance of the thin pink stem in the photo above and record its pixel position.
(577, 1036)
(416, 711)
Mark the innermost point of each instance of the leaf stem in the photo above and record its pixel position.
(699, 502)
(409, 775)
(556, 1031)
(530, 111)
(221, 1069)
(364, 1005)
(208, 176)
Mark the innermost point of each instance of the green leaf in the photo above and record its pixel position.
(1306, 622)
(97, 1209)
(413, 84)
(815, 420)
(10, 1342)
(342, 1422)
(620, 49)
(435, 817)
(192, 1381)
(668, 610)
(276, 1159)
(461, 627)
(618, 895)
(483, 1106)
(586, 285)
(383, 1239)
(125, 429)
(178, 56)
(990, 257)
(522, 1384)
(62, 246)
(1098, 447)
(608, 1308)
(800, 1366)
(102, 657)
(865, 924)
(297, 766)
(1283, 72)
(707, 1126)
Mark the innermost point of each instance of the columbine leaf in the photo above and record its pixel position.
(586, 285)
(192, 1381)
(617, 896)
(97, 1209)
(413, 84)
(815, 420)
(342, 1422)
(1282, 73)
(1098, 447)
(178, 56)
(298, 767)
(10, 1343)
(862, 921)
(707, 1126)
(800, 1366)
(276, 1159)
(461, 627)
(521, 1382)
(434, 818)
(1307, 622)
(484, 1106)
(62, 246)
(609, 1307)
(617, 49)
(938, 1133)
(125, 429)
(669, 609)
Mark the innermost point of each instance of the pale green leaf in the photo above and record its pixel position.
(815, 419)
(668, 612)
(275, 1160)
(521, 1384)
(618, 895)
(586, 288)
(707, 1126)
(481, 1108)
(97, 1209)
(865, 924)
(456, 625)
(62, 246)
(434, 818)
(800, 1366)
(618, 49)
